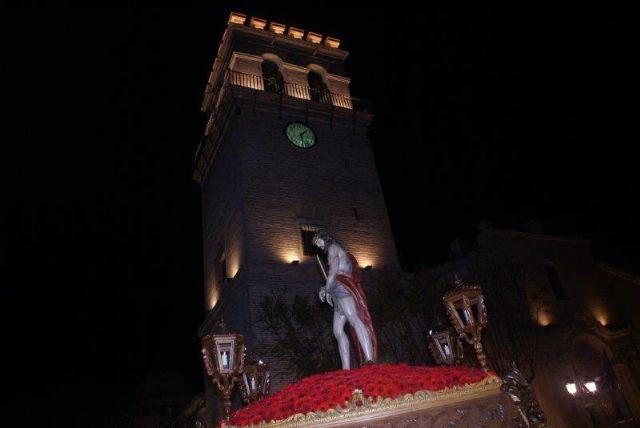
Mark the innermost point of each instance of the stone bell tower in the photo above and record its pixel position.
(284, 154)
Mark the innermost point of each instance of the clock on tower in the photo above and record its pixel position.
(301, 135)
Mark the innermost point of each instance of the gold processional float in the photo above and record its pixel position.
(377, 395)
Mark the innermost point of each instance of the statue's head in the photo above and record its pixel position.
(322, 240)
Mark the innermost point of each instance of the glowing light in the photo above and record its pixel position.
(295, 262)
(571, 388)
(332, 42)
(277, 28)
(296, 33)
(591, 386)
(314, 37)
(544, 319)
(364, 261)
(258, 23)
(600, 314)
(237, 18)
(289, 256)
(233, 267)
(212, 298)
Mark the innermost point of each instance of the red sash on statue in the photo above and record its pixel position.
(352, 285)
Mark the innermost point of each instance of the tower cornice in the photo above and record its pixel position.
(325, 49)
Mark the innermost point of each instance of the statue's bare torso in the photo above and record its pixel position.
(339, 264)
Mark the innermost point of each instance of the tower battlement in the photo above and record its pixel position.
(248, 42)
(281, 29)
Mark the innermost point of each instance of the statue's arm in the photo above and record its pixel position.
(334, 263)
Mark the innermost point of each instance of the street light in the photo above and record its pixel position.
(592, 383)
(255, 381)
(223, 358)
(597, 406)
(445, 347)
(468, 314)
(580, 388)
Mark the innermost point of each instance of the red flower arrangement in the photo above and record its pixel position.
(328, 390)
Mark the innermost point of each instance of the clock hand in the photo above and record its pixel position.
(302, 133)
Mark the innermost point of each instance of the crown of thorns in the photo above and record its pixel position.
(322, 235)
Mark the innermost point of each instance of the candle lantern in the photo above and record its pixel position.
(445, 347)
(468, 314)
(255, 382)
(223, 358)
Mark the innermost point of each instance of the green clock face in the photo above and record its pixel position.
(300, 135)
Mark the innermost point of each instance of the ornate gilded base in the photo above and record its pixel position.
(479, 405)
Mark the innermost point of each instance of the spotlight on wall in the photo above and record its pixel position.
(295, 262)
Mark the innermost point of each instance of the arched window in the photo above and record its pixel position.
(554, 281)
(317, 88)
(273, 81)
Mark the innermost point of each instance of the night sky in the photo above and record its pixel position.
(483, 113)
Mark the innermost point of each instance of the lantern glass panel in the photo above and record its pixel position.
(224, 359)
(446, 349)
(225, 356)
(475, 309)
(462, 313)
(443, 341)
(246, 383)
(251, 382)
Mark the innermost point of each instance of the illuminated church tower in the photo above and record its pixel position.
(284, 154)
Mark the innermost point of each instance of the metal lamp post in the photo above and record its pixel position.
(255, 382)
(585, 392)
(223, 358)
(468, 314)
(445, 347)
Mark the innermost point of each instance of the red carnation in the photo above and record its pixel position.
(326, 391)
